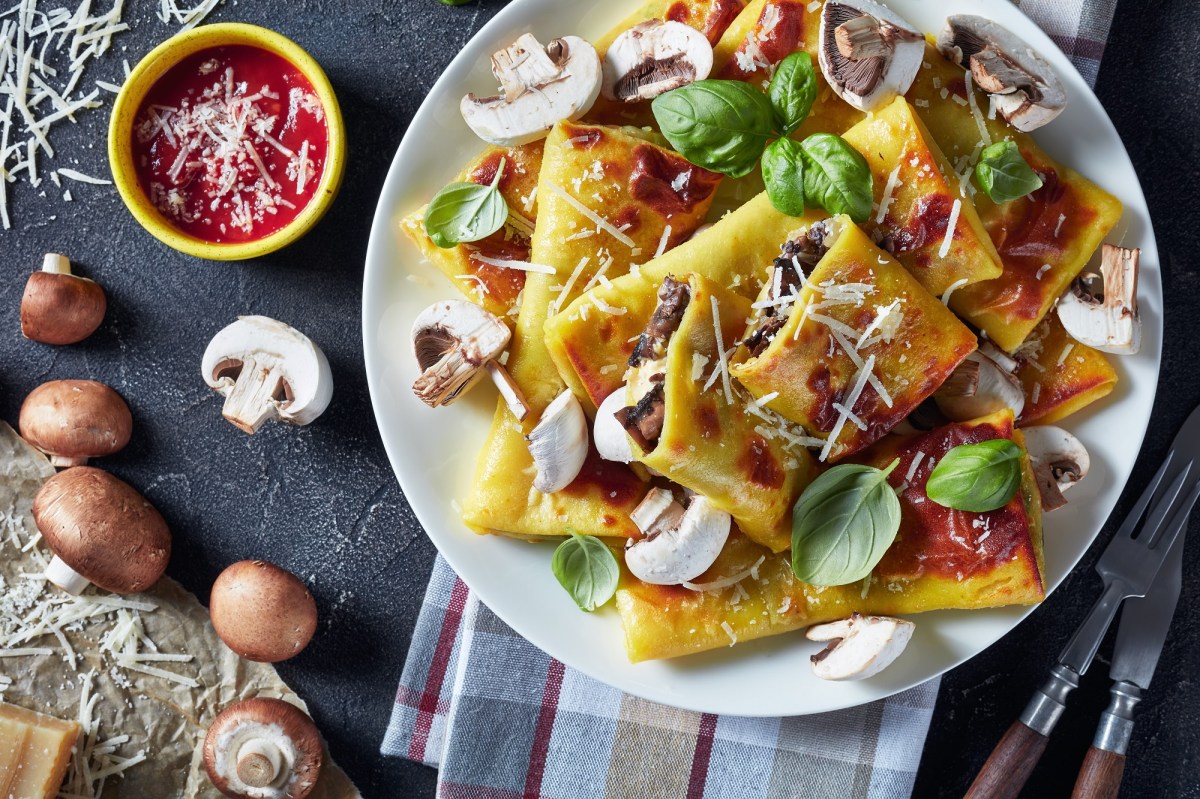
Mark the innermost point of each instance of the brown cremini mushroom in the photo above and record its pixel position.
(867, 53)
(262, 612)
(263, 748)
(101, 531)
(74, 420)
(59, 307)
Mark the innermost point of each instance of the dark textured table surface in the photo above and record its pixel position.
(322, 500)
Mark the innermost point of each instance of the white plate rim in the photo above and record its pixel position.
(661, 685)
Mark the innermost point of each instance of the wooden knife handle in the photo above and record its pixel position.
(1010, 764)
(1100, 777)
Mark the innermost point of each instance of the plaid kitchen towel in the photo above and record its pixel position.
(503, 720)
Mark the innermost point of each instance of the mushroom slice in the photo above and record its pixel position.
(859, 647)
(1106, 316)
(679, 545)
(541, 86)
(1024, 88)
(868, 54)
(979, 387)
(59, 307)
(559, 444)
(266, 369)
(263, 748)
(654, 57)
(609, 434)
(1059, 461)
(454, 342)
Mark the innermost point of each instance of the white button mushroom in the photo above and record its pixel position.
(541, 85)
(654, 57)
(559, 443)
(262, 612)
(1059, 461)
(868, 54)
(59, 307)
(1106, 316)
(979, 387)
(609, 434)
(74, 420)
(859, 647)
(1024, 88)
(266, 369)
(678, 545)
(263, 748)
(455, 342)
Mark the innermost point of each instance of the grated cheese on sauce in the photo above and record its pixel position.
(886, 201)
(951, 225)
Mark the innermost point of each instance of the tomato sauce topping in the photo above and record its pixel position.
(230, 143)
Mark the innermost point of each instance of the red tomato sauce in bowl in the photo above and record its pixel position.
(230, 143)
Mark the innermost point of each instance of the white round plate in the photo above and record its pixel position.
(433, 451)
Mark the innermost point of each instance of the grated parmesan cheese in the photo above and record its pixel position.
(1043, 269)
(1036, 394)
(951, 226)
(953, 287)
(860, 382)
(722, 360)
(886, 201)
(524, 266)
(662, 242)
(607, 226)
(984, 136)
(1066, 351)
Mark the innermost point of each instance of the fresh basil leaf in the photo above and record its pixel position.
(843, 524)
(977, 477)
(587, 569)
(466, 212)
(1003, 173)
(793, 90)
(783, 172)
(721, 125)
(836, 177)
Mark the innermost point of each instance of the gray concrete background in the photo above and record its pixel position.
(322, 500)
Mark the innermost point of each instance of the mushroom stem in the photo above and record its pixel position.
(66, 578)
(509, 389)
(60, 462)
(259, 762)
(56, 263)
(251, 400)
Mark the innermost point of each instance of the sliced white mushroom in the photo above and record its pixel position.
(868, 54)
(559, 444)
(679, 545)
(541, 86)
(266, 369)
(1101, 310)
(859, 647)
(455, 343)
(654, 57)
(1024, 88)
(609, 435)
(977, 388)
(1059, 461)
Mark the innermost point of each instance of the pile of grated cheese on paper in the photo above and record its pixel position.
(45, 55)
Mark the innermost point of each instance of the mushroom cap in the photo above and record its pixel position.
(103, 528)
(262, 612)
(874, 81)
(559, 444)
(860, 647)
(654, 57)
(612, 442)
(61, 308)
(279, 721)
(452, 341)
(680, 547)
(75, 419)
(1107, 318)
(995, 389)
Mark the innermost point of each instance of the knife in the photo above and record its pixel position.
(1140, 638)
(1128, 566)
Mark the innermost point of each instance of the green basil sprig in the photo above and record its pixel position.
(586, 568)
(843, 524)
(724, 125)
(1003, 173)
(977, 477)
(466, 212)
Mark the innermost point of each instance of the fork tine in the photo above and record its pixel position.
(1166, 502)
(1178, 522)
(1131, 521)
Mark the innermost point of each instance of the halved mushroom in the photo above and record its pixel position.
(868, 54)
(609, 434)
(859, 647)
(541, 85)
(455, 342)
(1059, 461)
(559, 443)
(266, 369)
(654, 57)
(1024, 88)
(59, 307)
(1101, 310)
(74, 420)
(977, 388)
(263, 748)
(679, 545)
(262, 612)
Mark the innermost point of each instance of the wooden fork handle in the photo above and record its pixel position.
(1100, 777)
(1010, 764)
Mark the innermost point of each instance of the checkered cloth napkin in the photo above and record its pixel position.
(503, 720)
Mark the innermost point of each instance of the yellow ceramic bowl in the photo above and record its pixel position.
(150, 69)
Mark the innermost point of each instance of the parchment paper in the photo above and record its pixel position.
(166, 720)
